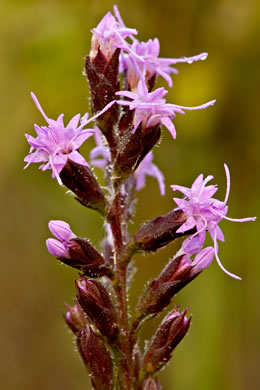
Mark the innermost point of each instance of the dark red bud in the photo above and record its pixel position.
(133, 149)
(160, 231)
(170, 332)
(81, 181)
(96, 358)
(102, 74)
(96, 303)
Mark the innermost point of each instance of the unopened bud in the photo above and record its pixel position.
(96, 358)
(83, 256)
(81, 181)
(133, 149)
(96, 303)
(151, 384)
(102, 74)
(74, 317)
(170, 332)
(160, 231)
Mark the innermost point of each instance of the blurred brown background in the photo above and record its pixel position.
(42, 46)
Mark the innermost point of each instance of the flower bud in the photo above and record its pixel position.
(151, 384)
(83, 256)
(177, 273)
(81, 181)
(96, 358)
(134, 148)
(170, 332)
(102, 74)
(61, 230)
(160, 231)
(74, 317)
(56, 248)
(96, 303)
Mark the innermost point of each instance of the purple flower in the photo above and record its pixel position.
(151, 108)
(109, 35)
(146, 55)
(55, 143)
(147, 168)
(61, 230)
(204, 213)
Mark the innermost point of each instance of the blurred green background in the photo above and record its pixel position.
(42, 46)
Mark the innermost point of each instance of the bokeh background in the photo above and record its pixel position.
(42, 46)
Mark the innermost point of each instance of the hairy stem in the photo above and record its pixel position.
(115, 218)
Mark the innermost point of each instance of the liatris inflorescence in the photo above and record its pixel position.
(128, 117)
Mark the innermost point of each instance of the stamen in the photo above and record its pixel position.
(36, 101)
(219, 262)
(228, 183)
(249, 219)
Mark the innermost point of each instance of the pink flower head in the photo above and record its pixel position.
(62, 231)
(146, 55)
(151, 108)
(204, 213)
(55, 143)
(109, 35)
